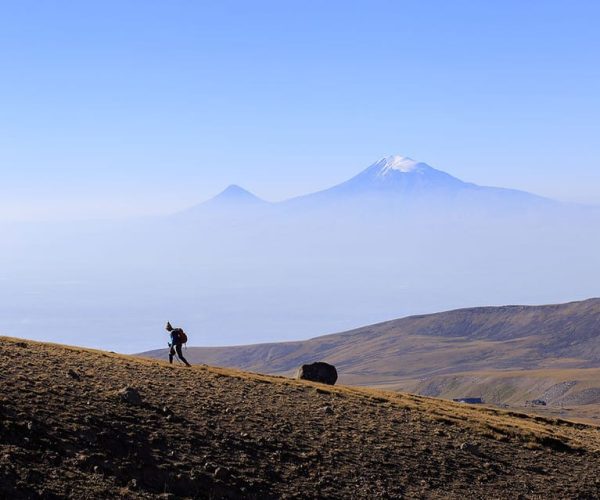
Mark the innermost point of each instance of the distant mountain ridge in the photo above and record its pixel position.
(396, 178)
(507, 337)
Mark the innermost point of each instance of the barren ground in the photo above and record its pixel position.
(215, 433)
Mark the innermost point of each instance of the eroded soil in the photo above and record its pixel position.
(212, 433)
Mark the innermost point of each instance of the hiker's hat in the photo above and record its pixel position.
(168, 327)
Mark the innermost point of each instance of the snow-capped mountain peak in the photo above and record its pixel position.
(397, 163)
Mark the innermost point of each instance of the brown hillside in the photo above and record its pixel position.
(483, 338)
(214, 433)
(406, 353)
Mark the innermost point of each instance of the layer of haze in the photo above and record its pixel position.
(236, 273)
(115, 109)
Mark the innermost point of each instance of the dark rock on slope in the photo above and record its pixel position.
(318, 372)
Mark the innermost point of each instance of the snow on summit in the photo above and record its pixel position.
(396, 163)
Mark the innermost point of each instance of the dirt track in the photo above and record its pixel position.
(211, 433)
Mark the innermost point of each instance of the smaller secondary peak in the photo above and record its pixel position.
(397, 163)
(236, 194)
(235, 190)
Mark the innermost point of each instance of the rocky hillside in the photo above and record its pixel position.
(87, 424)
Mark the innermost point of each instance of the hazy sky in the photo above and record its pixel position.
(122, 107)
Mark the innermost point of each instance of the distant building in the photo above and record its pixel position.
(535, 402)
(470, 401)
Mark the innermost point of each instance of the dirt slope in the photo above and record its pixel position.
(216, 433)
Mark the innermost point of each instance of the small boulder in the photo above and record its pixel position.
(470, 448)
(130, 395)
(318, 372)
(222, 474)
(210, 467)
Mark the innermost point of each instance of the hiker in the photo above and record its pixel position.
(178, 338)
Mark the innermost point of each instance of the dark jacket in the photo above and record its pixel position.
(176, 337)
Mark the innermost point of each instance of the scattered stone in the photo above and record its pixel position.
(210, 467)
(73, 374)
(470, 448)
(34, 476)
(88, 436)
(196, 474)
(328, 410)
(52, 458)
(318, 372)
(130, 395)
(221, 473)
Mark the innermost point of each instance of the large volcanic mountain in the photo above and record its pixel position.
(404, 179)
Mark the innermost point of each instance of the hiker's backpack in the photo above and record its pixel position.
(181, 336)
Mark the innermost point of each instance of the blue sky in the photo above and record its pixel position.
(129, 107)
